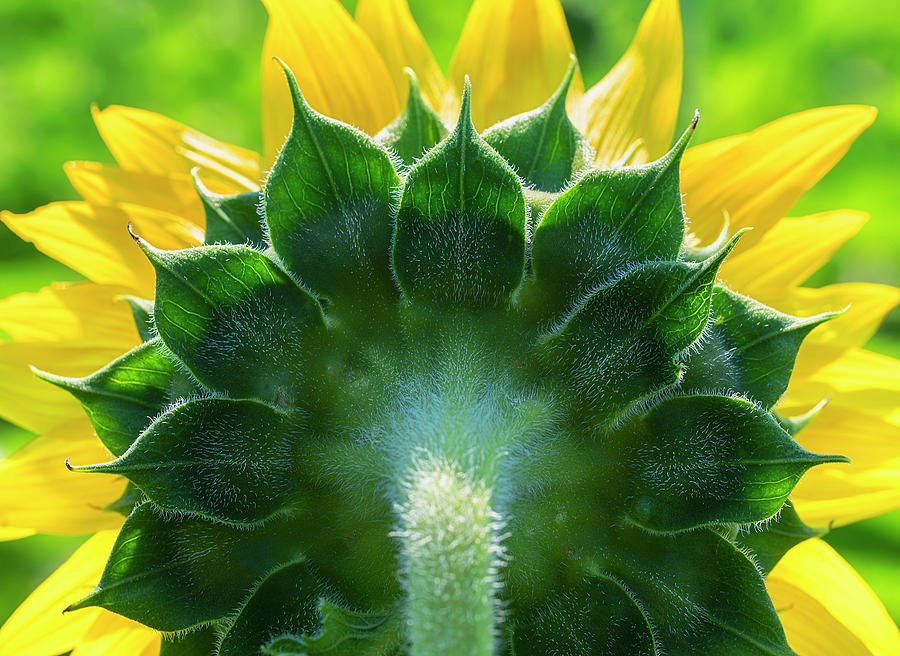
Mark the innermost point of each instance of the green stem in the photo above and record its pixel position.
(450, 557)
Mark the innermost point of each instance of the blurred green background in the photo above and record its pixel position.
(747, 62)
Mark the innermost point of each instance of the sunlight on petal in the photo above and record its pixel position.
(70, 311)
(635, 106)
(94, 241)
(152, 143)
(765, 271)
(34, 404)
(39, 627)
(826, 607)
(101, 184)
(858, 378)
(392, 29)
(515, 53)
(339, 71)
(759, 176)
(840, 494)
(114, 635)
(38, 492)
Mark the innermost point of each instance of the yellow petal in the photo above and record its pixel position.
(790, 253)
(866, 303)
(516, 53)
(635, 106)
(34, 404)
(114, 635)
(152, 143)
(392, 29)
(826, 608)
(65, 311)
(39, 627)
(858, 378)
(94, 239)
(339, 71)
(757, 178)
(840, 493)
(39, 493)
(110, 185)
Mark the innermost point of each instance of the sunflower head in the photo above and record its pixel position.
(463, 381)
(454, 391)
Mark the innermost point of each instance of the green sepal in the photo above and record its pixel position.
(123, 397)
(345, 633)
(416, 130)
(542, 145)
(199, 642)
(700, 460)
(131, 498)
(619, 347)
(142, 312)
(238, 322)
(231, 219)
(770, 541)
(285, 601)
(175, 573)
(596, 616)
(749, 348)
(698, 590)
(329, 205)
(794, 425)
(701, 253)
(609, 221)
(460, 232)
(197, 458)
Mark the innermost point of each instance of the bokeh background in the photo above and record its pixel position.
(747, 62)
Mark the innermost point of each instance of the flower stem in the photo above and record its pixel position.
(451, 555)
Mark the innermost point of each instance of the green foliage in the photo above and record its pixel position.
(549, 453)
(460, 236)
(770, 541)
(750, 348)
(612, 219)
(542, 145)
(231, 219)
(125, 395)
(416, 130)
(328, 204)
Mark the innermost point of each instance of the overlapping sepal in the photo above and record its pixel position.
(542, 145)
(460, 229)
(292, 367)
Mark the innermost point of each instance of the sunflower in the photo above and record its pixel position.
(354, 70)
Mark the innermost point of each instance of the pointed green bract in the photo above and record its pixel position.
(234, 461)
(125, 395)
(468, 418)
(596, 616)
(329, 205)
(230, 314)
(176, 573)
(694, 603)
(750, 348)
(770, 541)
(612, 219)
(231, 219)
(619, 347)
(416, 130)
(142, 311)
(460, 235)
(704, 460)
(542, 145)
(285, 601)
